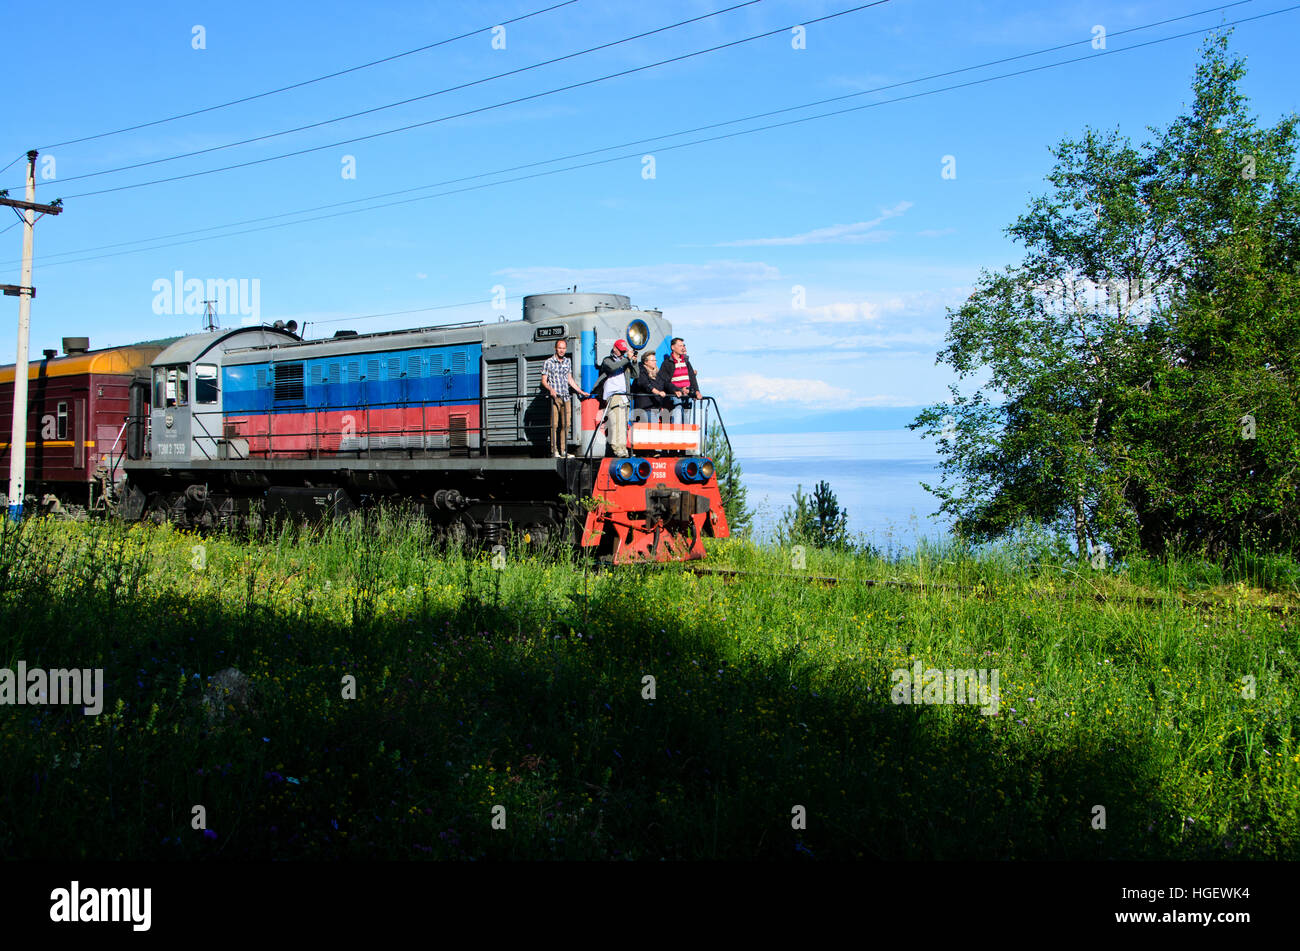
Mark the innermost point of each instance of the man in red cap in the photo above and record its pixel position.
(614, 394)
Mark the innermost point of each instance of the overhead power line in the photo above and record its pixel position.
(403, 102)
(305, 82)
(422, 310)
(641, 142)
(481, 109)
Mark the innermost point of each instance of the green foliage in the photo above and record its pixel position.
(817, 521)
(522, 687)
(735, 497)
(1158, 305)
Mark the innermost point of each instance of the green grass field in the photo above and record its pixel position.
(524, 687)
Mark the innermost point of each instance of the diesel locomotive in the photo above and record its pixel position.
(243, 424)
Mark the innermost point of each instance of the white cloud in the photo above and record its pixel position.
(809, 394)
(774, 311)
(848, 312)
(860, 232)
(651, 285)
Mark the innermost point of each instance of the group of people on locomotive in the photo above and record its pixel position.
(624, 380)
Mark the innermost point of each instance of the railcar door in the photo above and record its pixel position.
(137, 421)
(537, 402)
(206, 412)
(517, 410)
(502, 398)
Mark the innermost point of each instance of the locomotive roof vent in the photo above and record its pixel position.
(539, 307)
(344, 333)
(50, 354)
(73, 345)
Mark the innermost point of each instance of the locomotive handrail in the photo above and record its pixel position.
(483, 430)
(314, 434)
(718, 412)
(112, 465)
(128, 421)
(586, 456)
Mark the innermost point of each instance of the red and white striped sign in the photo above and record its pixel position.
(665, 436)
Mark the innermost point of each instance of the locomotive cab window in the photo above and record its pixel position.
(171, 386)
(205, 383)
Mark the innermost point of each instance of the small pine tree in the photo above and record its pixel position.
(817, 521)
(795, 527)
(727, 471)
(830, 521)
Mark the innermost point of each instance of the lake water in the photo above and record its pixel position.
(875, 475)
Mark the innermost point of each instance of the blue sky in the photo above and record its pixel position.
(853, 209)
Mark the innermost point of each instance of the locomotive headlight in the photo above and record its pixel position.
(638, 334)
(694, 470)
(629, 471)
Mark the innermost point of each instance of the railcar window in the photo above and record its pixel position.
(205, 383)
(180, 376)
(159, 387)
(62, 417)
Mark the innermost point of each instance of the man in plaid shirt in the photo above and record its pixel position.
(557, 378)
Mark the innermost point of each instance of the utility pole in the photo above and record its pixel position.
(24, 292)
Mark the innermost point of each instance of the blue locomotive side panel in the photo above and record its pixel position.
(417, 399)
(432, 376)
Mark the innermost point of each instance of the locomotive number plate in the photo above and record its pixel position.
(548, 333)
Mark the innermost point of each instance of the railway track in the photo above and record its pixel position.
(915, 587)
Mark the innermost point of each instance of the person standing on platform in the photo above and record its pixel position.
(614, 390)
(647, 397)
(557, 378)
(677, 379)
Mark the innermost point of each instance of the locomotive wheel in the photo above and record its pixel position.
(156, 509)
(133, 506)
(543, 534)
(537, 535)
(460, 531)
(208, 517)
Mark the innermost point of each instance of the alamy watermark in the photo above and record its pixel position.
(933, 685)
(37, 687)
(78, 904)
(241, 297)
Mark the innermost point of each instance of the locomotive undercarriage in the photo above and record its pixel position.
(469, 502)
